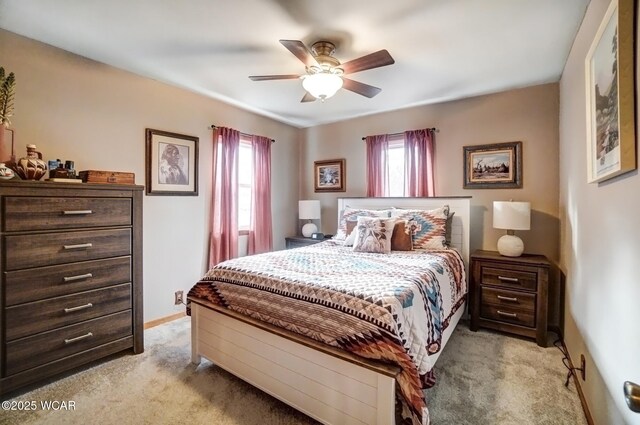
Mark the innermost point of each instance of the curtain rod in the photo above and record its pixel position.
(213, 127)
(433, 129)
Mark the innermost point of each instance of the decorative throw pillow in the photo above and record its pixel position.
(374, 235)
(401, 238)
(352, 214)
(428, 226)
(352, 231)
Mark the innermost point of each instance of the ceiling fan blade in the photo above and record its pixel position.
(308, 97)
(370, 61)
(360, 88)
(300, 51)
(273, 77)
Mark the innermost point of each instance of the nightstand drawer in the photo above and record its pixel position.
(508, 299)
(509, 278)
(508, 314)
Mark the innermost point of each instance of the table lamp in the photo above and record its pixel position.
(511, 216)
(309, 210)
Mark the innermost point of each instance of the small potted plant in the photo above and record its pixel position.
(7, 91)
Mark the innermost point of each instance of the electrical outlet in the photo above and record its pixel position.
(179, 295)
(583, 367)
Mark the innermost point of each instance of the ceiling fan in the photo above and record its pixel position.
(325, 74)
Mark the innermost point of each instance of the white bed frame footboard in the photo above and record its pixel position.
(330, 385)
(312, 380)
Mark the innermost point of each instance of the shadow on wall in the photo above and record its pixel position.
(476, 235)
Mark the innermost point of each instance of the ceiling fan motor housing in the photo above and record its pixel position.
(323, 52)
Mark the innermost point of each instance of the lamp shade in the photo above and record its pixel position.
(512, 215)
(309, 210)
(322, 85)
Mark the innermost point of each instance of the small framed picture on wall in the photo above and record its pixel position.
(171, 163)
(330, 175)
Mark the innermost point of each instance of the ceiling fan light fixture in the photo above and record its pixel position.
(322, 85)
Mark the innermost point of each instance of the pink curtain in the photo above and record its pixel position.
(377, 165)
(224, 208)
(260, 235)
(418, 163)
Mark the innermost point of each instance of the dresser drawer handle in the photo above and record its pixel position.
(77, 277)
(78, 338)
(510, 299)
(78, 308)
(505, 314)
(79, 246)
(508, 279)
(77, 212)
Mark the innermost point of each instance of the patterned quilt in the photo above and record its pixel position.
(391, 307)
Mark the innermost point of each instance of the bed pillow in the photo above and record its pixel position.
(428, 226)
(447, 230)
(401, 240)
(352, 214)
(374, 235)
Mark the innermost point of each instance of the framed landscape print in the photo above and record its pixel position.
(609, 66)
(329, 175)
(495, 166)
(171, 163)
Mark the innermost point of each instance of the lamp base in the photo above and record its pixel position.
(309, 229)
(510, 246)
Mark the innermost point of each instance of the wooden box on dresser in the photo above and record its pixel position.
(71, 284)
(510, 294)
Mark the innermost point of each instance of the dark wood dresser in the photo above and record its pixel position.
(510, 294)
(71, 287)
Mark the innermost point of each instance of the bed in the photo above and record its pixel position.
(262, 319)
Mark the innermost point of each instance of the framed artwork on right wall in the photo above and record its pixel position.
(609, 66)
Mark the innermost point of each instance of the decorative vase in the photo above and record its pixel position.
(6, 173)
(31, 167)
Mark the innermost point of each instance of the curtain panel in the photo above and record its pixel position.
(260, 234)
(224, 209)
(377, 165)
(418, 163)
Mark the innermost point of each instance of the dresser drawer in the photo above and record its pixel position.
(516, 315)
(46, 282)
(33, 213)
(45, 347)
(36, 250)
(39, 316)
(510, 278)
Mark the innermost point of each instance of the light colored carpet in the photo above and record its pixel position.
(483, 378)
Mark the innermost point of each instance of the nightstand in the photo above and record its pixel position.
(510, 294)
(298, 241)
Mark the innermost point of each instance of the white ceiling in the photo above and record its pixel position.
(444, 49)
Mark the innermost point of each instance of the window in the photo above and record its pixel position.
(396, 166)
(245, 181)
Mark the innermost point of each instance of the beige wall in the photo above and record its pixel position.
(78, 109)
(529, 115)
(600, 248)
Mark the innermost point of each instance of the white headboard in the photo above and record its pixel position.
(460, 205)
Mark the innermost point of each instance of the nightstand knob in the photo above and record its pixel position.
(508, 279)
(511, 299)
(503, 313)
